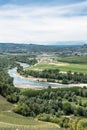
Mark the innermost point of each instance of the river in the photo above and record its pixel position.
(23, 82)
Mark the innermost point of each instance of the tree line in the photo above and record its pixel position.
(54, 75)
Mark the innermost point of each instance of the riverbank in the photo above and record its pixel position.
(24, 86)
(53, 85)
(31, 78)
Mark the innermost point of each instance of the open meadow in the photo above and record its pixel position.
(62, 66)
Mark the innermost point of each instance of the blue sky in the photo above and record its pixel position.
(43, 21)
(41, 2)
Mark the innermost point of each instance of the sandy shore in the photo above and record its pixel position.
(55, 85)
(78, 85)
(28, 86)
(31, 78)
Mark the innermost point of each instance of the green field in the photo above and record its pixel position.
(12, 121)
(74, 59)
(61, 66)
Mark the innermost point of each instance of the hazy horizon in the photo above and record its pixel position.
(55, 43)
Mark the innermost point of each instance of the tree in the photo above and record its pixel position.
(85, 112)
(23, 109)
(74, 98)
(49, 87)
(67, 108)
(65, 81)
(80, 111)
(46, 95)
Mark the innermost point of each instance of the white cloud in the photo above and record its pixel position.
(43, 24)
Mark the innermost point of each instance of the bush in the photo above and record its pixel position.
(65, 81)
(67, 108)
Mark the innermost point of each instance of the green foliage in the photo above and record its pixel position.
(54, 74)
(63, 122)
(74, 59)
(58, 102)
(13, 121)
(67, 108)
(4, 105)
(65, 81)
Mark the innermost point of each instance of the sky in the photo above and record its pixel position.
(43, 21)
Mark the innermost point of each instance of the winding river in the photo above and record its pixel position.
(23, 82)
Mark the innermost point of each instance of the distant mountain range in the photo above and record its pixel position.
(69, 43)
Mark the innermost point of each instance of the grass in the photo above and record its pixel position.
(83, 99)
(82, 124)
(24, 127)
(13, 121)
(61, 66)
(74, 59)
(4, 105)
(78, 123)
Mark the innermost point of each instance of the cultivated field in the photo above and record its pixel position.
(74, 59)
(62, 66)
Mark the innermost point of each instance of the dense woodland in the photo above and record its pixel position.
(53, 101)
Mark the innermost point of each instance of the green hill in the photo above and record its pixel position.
(12, 121)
